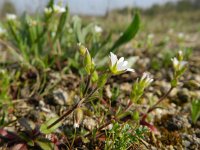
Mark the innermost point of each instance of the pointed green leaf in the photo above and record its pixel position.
(128, 34)
(44, 127)
(45, 144)
(195, 110)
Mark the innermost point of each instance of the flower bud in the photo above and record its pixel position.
(82, 49)
(78, 117)
(136, 115)
(180, 55)
(139, 87)
(146, 79)
(89, 63)
(95, 76)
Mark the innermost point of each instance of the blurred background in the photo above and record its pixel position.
(90, 7)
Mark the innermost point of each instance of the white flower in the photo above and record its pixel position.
(11, 16)
(146, 78)
(59, 9)
(47, 10)
(178, 65)
(183, 64)
(56, 8)
(118, 66)
(98, 29)
(175, 62)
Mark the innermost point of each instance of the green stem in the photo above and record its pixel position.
(87, 85)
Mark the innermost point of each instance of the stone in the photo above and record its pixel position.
(183, 95)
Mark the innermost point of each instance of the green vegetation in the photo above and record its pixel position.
(64, 86)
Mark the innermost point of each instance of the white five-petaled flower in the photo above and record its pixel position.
(118, 65)
(11, 16)
(146, 78)
(178, 65)
(98, 29)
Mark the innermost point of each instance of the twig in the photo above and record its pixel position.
(160, 100)
(100, 128)
(155, 105)
(72, 109)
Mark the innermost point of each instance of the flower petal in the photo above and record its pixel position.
(120, 66)
(125, 63)
(113, 59)
(182, 64)
(130, 69)
(144, 75)
(120, 60)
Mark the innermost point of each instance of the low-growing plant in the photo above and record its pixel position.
(5, 99)
(40, 45)
(116, 67)
(122, 136)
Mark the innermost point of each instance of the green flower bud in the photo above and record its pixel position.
(136, 115)
(82, 49)
(180, 55)
(95, 76)
(89, 63)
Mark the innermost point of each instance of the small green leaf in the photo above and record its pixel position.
(195, 110)
(102, 80)
(136, 115)
(45, 144)
(26, 138)
(2, 119)
(44, 127)
(128, 34)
